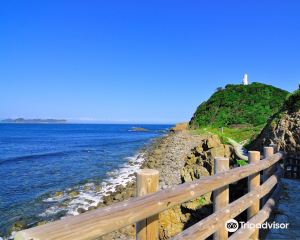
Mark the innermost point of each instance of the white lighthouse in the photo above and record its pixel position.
(245, 79)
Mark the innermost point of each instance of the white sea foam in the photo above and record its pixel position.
(89, 194)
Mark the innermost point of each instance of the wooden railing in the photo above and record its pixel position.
(143, 209)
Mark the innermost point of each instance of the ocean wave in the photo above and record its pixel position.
(91, 194)
(33, 156)
(42, 156)
(100, 144)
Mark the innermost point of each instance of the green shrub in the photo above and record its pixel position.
(292, 102)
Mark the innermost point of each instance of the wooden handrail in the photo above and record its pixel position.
(213, 222)
(259, 218)
(98, 222)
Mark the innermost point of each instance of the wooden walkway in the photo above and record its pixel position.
(287, 211)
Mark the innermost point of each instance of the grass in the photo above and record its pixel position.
(202, 201)
(241, 162)
(240, 134)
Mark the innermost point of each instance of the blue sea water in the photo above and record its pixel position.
(37, 160)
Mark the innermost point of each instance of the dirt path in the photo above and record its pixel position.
(240, 151)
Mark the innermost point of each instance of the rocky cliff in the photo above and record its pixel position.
(283, 129)
(184, 157)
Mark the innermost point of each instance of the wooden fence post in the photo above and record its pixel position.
(147, 182)
(268, 152)
(253, 183)
(275, 147)
(221, 195)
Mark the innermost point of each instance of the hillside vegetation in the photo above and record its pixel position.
(283, 128)
(250, 105)
(292, 103)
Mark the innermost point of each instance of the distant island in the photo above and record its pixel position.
(23, 120)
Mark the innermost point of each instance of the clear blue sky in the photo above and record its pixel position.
(139, 61)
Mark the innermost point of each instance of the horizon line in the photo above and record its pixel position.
(77, 121)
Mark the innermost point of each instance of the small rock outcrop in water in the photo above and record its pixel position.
(283, 129)
(73, 194)
(18, 226)
(139, 129)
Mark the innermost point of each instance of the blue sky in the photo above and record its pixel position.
(139, 61)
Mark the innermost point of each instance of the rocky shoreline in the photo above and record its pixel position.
(179, 157)
(166, 154)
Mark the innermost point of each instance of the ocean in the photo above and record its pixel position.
(48, 171)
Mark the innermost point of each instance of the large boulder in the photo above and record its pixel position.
(172, 222)
(200, 162)
(211, 142)
(180, 127)
(18, 226)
